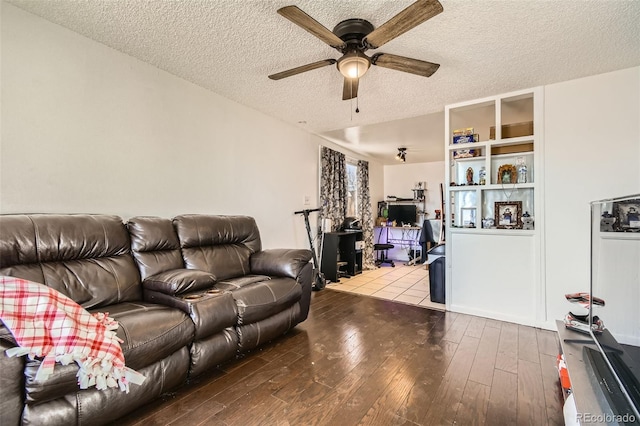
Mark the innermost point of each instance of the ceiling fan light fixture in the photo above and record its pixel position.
(353, 64)
(402, 155)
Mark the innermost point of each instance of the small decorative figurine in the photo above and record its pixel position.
(488, 223)
(469, 176)
(482, 175)
(606, 222)
(522, 173)
(527, 221)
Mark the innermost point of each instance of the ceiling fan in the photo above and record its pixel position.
(353, 37)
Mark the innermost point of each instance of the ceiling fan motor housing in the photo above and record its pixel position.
(352, 32)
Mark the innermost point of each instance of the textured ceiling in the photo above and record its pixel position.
(484, 48)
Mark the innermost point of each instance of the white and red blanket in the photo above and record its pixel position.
(47, 324)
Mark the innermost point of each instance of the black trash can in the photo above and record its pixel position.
(436, 273)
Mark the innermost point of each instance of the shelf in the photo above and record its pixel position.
(405, 201)
(493, 187)
(492, 231)
(457, 146)
(492, 142)
(511, 155)
(485, 116)
(511, 141)
(466, 187)
(620, 235)
(469, 159)
(508, 186)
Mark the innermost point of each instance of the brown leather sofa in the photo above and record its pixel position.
(188, 294)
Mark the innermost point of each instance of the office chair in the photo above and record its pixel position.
(381, 256)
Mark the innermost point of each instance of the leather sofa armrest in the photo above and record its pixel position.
(211, 311)
(179, 281)
(11, 381)
(280, 262)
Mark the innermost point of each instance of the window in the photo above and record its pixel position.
(352, 188)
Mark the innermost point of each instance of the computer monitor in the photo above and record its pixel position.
(403, 214)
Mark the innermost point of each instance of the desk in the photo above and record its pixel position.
(404, 237)
(400, 236)
(341, 247)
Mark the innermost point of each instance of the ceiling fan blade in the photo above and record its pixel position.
(350, 88)
(400, 63)
(306, 22)
(412, 16)
(301, 69)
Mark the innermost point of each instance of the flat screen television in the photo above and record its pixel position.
(615, 278)
(403, 214)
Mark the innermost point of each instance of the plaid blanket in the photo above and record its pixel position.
(46, 324)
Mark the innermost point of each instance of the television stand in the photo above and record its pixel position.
(588, 398)
(590, 342)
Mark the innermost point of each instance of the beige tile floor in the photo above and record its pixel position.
(406, 284)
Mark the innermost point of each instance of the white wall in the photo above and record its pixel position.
(88, 129)
(592, 151)
(400, 179)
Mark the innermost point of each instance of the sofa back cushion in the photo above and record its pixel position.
(154, 244)
(221, 245)
(18, 254)
(85, 257)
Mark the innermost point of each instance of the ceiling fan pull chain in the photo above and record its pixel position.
(351, 100)
(357, 109)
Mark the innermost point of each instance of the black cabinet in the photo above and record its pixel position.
(341, 254)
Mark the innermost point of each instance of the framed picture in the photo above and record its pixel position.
(468, 216)
(507, 174)
(627, 215)
(507, 214)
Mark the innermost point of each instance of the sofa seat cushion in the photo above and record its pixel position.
(259, 299)
(150, 333)
(99, 407)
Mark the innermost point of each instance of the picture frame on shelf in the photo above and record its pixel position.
(468, 217)
(627, 216)
(508, 214)
(507, 173)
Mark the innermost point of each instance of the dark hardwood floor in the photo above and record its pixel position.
(358, 360)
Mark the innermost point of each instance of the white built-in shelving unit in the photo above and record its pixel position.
(494, 270)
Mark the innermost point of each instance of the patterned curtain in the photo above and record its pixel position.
(365, 214)
(333, 187)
